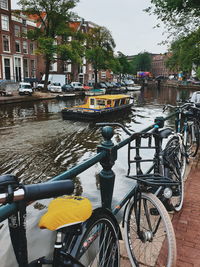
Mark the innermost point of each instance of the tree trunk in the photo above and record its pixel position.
(95, 77)
(47, 67)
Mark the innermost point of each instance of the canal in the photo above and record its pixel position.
(36, 144)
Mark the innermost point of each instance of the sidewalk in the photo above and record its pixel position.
(186, 223)
(16, 98)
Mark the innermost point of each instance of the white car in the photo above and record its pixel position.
(77, 86)
(25, 89)
(55, 88)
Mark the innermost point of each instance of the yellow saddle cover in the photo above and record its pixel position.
(65, 211)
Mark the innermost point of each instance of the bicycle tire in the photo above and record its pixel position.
(192, 139)
(175, 167)
(142, 251)
(99, 245)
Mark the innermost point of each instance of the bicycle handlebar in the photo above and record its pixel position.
(39, 191)
(177, 107)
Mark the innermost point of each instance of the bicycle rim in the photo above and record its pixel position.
(192, 140)
(99, 245)
(175, 167)
(156, 244)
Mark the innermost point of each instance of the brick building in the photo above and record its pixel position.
(17, 59)
(158, 67)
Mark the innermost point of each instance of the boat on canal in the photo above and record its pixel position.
(97, 107)
(134, 87)
(95, 92)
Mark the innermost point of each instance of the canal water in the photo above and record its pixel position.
(37, 144)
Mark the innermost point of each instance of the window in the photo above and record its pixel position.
(24, 31)
(33, 69)
(24, 22)
(65, 67)
(25, 47)
(17, 30)
(100, 102)
(32, 48)
(25, 63)
(92, 101)
(103, 74)
(6, 43)
(17, 46)
(4, 4)
(5, 22)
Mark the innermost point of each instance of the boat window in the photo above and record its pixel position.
(117, 103)
(108, 103)
(123, 101)
(92, 101)
(100, 102)
(127, 101)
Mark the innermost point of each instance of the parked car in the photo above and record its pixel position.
(101, 85)
(86, 87)
(25, 89)
(77, 86)
(109, 85)
(55, 88)
(67, 88)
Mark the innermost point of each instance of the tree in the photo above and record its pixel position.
(99, 49)
(125, 65)
(180, 16)
(185, 53)
(54, 17)
(141, 62)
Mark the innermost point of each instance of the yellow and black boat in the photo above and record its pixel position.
(97, 107)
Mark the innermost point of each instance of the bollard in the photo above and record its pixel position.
(107, 176)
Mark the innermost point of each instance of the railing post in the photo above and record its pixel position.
(107, 176)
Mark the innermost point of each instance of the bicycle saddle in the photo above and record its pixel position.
(165, 132)
(65, 211)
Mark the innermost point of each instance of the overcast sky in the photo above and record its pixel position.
(131, 28)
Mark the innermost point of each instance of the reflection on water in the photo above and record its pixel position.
(36, 144)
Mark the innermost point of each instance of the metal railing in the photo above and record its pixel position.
(106, 156)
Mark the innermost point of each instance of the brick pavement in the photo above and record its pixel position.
(187, 221)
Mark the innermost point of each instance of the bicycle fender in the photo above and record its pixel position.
(97, 211)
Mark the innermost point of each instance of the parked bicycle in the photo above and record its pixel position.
(187, 124)
(146, 221)
(92, 240)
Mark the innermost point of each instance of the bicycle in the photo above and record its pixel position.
(187, 125)
(93, 241)
(168, 162)
(145, 214)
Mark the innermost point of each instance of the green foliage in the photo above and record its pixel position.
(185, 52)
(125, 64)
(53, 17)
(141, 62)
(179, 16)
(198, 72)
(99, 49)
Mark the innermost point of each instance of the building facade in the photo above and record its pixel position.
(158, 65)
(18, 61)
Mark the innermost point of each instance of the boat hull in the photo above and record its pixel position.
(77, 114)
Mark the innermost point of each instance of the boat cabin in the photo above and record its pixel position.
(106, 101)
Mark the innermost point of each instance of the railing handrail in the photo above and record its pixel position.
(9, 209)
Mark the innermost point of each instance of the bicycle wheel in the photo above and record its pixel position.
(192, 139)
(174, 168)
(153, 242)
(99, 245)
